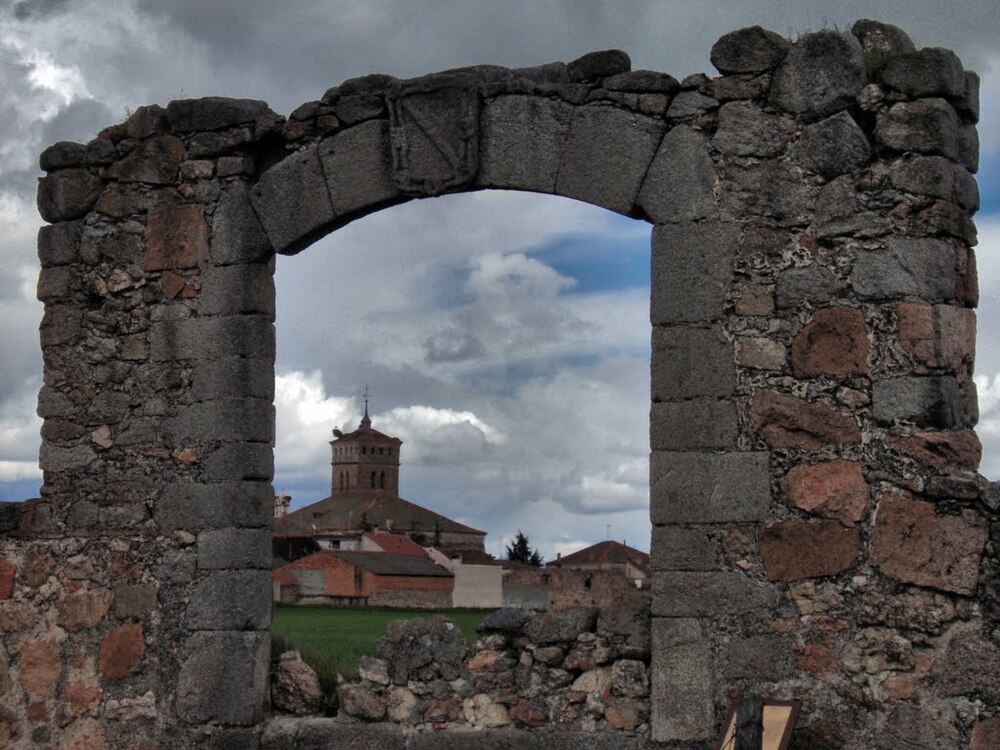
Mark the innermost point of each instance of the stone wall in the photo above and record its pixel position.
(580, 669)
(820, 529)
(556, 588)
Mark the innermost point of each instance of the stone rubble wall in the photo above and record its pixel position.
(580, 669)
(820, 531)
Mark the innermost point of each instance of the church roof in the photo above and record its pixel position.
(379, 563)
(604, 552)
(353, 509)
(365, 431)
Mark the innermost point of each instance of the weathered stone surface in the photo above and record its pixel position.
(821, 74)
(925, 401)
(225, 378)
(832, 147)
(960, 447)
(708, 487)
(122, 651)
(680, 182)
(231, 600)
(772, 189)
(938, 336)
(690, 104)
(916, 726)
(749, 50)
(8, 572)
(969, 664)
(986, 735)
(85, 608)
(833, 342)
(691, 363)
(223, 678)
(745, 129)
(680, 548)
(703, 594)
(813, 284)
(67, 194)
(917, 610)
(881, 42)
(595, 65)
(761, 353)
(560, 626)
(190, 506)
(521, 142)
(928, 126)
(295, 687)
(790, 422)
(413, 645)
(832, 489)
(237, 236)
(59, 244)
(176, 237)
(292, 201)
(692, 271)
(930, 71)
(40, 667)
(968, 147)
(642, 81)
(912, 543)
(506, 620)
(62, 155)
(796, 549)
(434, 130)
(763, 658)
(484, 712)
(679, 425)
(681, 678)
(156, 161)
(213, 113)
(357, 163)
(234, 549)
(906, 267)
(606, 157)
(134, 601)
(238, 289)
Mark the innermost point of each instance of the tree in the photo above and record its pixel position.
(520, 551)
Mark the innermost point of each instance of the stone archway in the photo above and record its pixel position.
(814, 491)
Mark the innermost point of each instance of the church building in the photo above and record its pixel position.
(364, 495)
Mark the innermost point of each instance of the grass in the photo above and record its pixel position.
(332, 640)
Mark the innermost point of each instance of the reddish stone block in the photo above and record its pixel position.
(960, 447)
(833, 342)
(832, 489)
(155, 161)
(84, 609)
(755, 299)
(40, 667)
(172, 284)
(82, 697)
(7, 572)
(938, 336)
(795, 549)
(524, 714)
(36, 569)
(790, 422)
(819, 658)
(37, 712)
(986, 735)
(911, 543)
(122, 651)
(176, 237)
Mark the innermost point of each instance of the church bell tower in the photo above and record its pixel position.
(365, 460)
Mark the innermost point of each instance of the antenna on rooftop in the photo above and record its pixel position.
(607, 531)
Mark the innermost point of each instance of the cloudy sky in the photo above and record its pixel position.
(504, 336)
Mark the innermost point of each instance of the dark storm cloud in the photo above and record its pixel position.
(30, 10)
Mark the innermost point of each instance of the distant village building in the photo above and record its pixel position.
(609, 555)
(364, 496)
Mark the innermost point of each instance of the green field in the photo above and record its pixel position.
(333, 639)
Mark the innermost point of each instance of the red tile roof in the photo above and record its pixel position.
(604, 552)
(396, 544)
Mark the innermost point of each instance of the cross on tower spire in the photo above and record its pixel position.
(366, 420)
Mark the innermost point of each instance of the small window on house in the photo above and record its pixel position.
(364, 449)
(381, 480)
(373, 480)
(587, 581)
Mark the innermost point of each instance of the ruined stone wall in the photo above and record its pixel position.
(579, 669)
(820, 531)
